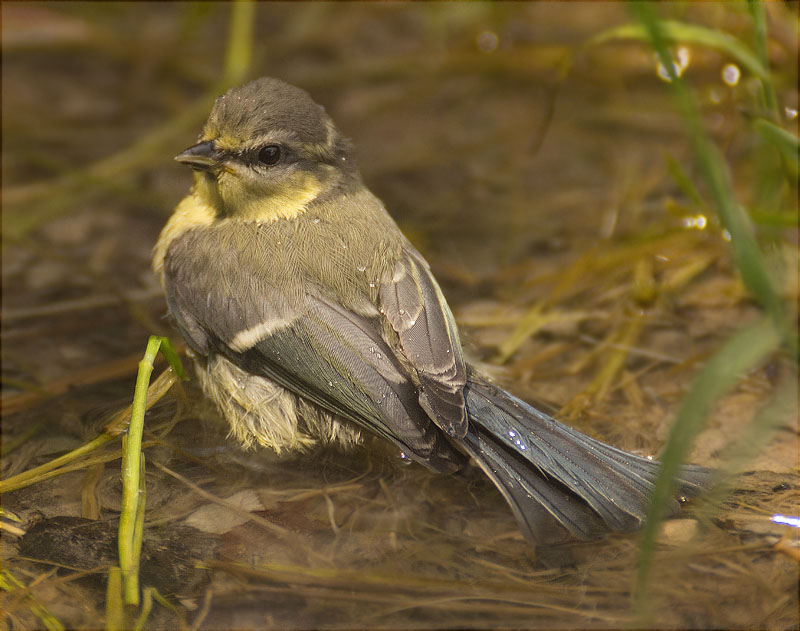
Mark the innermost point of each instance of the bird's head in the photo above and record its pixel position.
(266, 152)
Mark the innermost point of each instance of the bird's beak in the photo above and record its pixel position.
(203, 156)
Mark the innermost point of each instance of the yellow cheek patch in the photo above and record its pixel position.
(287, 201)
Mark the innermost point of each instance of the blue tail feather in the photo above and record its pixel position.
(559, 482)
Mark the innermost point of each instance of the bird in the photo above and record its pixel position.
(312, 319)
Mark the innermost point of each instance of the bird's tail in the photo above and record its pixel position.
(560, 483)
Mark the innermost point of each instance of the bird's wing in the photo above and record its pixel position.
(319, 350)
(414, 306)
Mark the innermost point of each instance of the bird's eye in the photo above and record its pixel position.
(269, 155)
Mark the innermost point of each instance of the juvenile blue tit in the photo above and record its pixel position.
(312, 318)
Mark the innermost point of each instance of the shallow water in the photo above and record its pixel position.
(532, 172)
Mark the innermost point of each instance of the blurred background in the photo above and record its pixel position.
(533, 153)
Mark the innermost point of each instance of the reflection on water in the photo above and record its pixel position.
(681, 58)
(731, 74)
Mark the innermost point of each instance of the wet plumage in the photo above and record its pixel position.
(312, 318)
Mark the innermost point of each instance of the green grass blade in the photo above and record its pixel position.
(171, 355)
(31, 476)
(131, 478)
(115, 610)
(779, 219)
(691, 34)
(756, 9)
(785, 142)
(776, 413)
(746, 253)
(131, 519)
(684, 182)
(147, 607)
(740, 354)
(240, 42)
